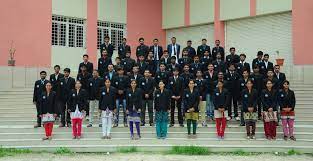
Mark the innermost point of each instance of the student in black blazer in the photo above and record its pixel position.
(103, 63)
(156, 49)
(67, 84)
(47, 104)
(107, 108)
(78, 104)
(218, 49)
(142, 49)
(174, 48)
(176, 85)
(55, 81)
(123, 49)
(202, 48)
(89, 65)
(281, 77)
(107, 46)
(242, 65)
(39, 88)
(267, 64)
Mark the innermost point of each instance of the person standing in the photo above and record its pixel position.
(157, 50)
(103, 63)
(39, 88)
(202, 48)
(232, 58)
(269, 101)
(287, 102)
(162, 100)
(210, 76)
(78, 104)
(218, 49)
(220, 101)
(134, 103)
(94, 85)
(123, 49)
(107, 46)
(191, 51)
(107, 108)
(55, 81)
(174, 49)
(67, 84)
(249, 102)
(86, 63)
(191, 98)
(47, 103)
(147, 85)
(142, 49)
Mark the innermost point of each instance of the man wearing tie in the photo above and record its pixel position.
(218, 49)
(267, 64)
(174, 48)
(142, 49)
(281, 77)
(157, 50)
(123, 49)
(202, 48)
(86, 63)
(242, 65)
(106, 46)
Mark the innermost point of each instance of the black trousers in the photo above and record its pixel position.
(65, 115)
(38, 114)
(179, 110)
(150, 111)
(233, 100)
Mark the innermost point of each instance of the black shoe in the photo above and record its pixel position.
(69, 125)
(171, 125)
(181, 125)
(142, 124)
(151, 124)
(293, 138)
(285, 138)
(242, 125)
(38, 125)
(89, 125)
(116, 125)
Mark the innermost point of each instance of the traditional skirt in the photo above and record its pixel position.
(250, 116)
(192, 116)
(270, 116)
(287, 115)
(219, 114)
(134, 116)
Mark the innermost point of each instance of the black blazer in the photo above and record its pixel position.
(109, 49)
(79, 99)
(103, 64)
(219, 66)
(241, 67)
(220, 99)
(191, 100)
(281, 77)
(177, 87)
(47, 103)
(39, 88)
(133, 99)
(160, 51)
(161, 76)
(66, 88)
(107, 99)
(162, 101)
(215, 50)
(94, 86)
(128, 64)
(55, 83)
(232, 59)
(89, 66)
(210, 82)
(142, 50)
(249, 99)
(269, 99)
(147, 87)
(84, 79)
(202, 48)
(286, 99)
(142, 66)
(121, 83)
(122, 50)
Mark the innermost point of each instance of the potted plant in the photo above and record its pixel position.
(279, 61)
(11, 61)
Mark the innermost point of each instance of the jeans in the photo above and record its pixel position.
(209, 106)
(118, 103)
(107, 123)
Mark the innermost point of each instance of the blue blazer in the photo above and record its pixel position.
(169, 50)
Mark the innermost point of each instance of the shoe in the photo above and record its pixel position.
(108, 137)
(293, 138)
(286, 138)
(61, 125)
(87, 118)
(273, 138)
(116, 125)
(103, 137)
(89, 125)
(69, 125)
(142, 124)
(248, 137)
(181, 125)
(132, 137)
(36, 126)
(125, 125)
(151, 124)
(100, 125)
(268, 138)
(252, 137)
(237, 118)
(74, 137)
(228, 118)
(242, 125)
(171, 125)
(45, 138)
(204, 124)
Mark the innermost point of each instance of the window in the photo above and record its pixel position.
(116, 32)
(68, 31)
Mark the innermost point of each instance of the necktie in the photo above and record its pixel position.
(174, 50)
(66, 79)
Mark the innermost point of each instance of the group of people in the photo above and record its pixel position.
(202, 85)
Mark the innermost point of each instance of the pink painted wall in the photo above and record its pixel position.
(91, 35)
(252, 7)
(219, 26)
(144, 19)
(187, 12)
(302, 25)
(28, 24)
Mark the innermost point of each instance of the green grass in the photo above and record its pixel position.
(242, 153)
(11, 151)
(63, 150)
(293, 152)
(128, 150)
(189, 150)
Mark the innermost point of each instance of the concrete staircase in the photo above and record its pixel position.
(17, 117)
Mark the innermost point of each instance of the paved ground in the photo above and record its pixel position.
(151, 157)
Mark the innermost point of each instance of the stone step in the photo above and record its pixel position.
(98, 145)
(146, 134)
